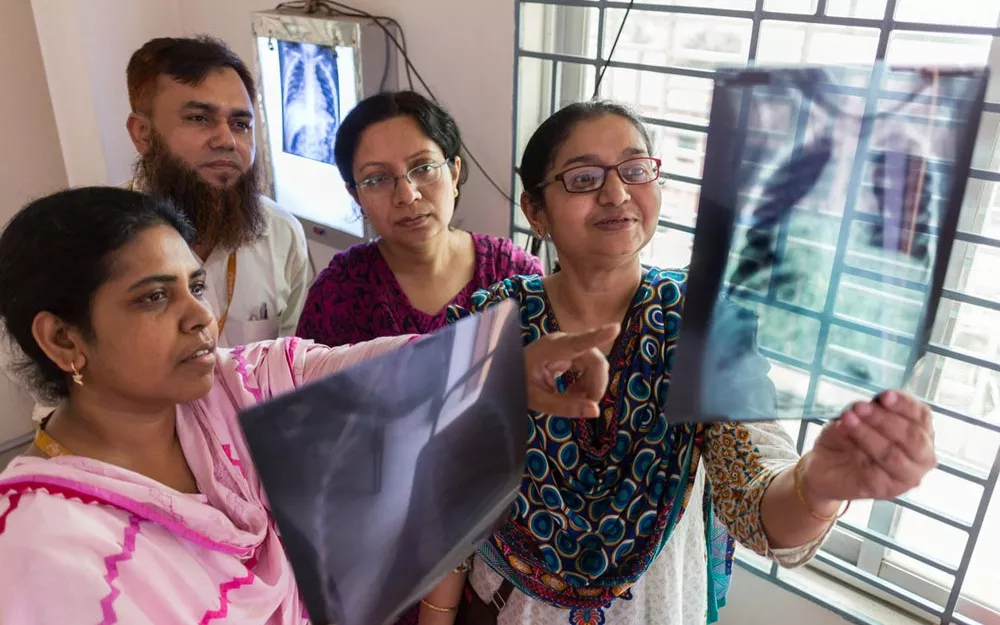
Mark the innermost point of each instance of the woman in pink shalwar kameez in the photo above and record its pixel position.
(139, 502)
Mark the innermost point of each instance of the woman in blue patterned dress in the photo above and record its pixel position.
(627, 519)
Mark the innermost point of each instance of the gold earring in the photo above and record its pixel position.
(456, 191)
(77, 376)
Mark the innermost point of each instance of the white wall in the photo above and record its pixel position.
(31, 162)
(86, 45)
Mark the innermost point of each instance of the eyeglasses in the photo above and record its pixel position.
(586, 178)
(419, 176)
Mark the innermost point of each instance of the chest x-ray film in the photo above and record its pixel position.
(828, 209)
(383, 477)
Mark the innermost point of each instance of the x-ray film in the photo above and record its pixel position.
(829, 204)
(384, 477)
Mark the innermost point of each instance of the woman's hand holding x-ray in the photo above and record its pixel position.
(557, 353)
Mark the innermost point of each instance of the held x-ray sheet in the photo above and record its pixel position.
(828, 208)
(385, 476)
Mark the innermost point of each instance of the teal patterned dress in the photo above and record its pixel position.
(600, 498)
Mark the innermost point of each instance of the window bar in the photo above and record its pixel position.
(874, 86)
(895, 545)
(977, 525)
(960, 416)
(554, 85)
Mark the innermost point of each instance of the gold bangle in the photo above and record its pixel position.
(437, 608)
(797, 474)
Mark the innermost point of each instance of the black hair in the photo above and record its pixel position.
(554, 132)
(433, 119)
(188, 60)
(55, 253)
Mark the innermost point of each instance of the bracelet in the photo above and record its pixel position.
(797, 473)
(437, 608)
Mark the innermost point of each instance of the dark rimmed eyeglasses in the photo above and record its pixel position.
(586, 178)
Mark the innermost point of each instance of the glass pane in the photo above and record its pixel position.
(790, 6)
(791, 42)
(834, 396)
(866, 358)
(984, 569)
(787, 333)
(696, 42)
(558, 29)
(735, 5)
(974, 268)
(669, 249)
(682, 151)
(537, 79)
(792, 385)
(985, 155)
(679, 203)
(913, 530)
(948, 494)
(866, 301)
(918, 48)
(870, 9)
(675, 98)
(969, 329)
(969, 390)
(956, 12)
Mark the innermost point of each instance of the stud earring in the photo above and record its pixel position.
(77, 376)
(456, 192)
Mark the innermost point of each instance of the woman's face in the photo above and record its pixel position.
(153, 339)
(404, 212)
(613, 222)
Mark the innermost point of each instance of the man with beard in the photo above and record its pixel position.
(192, 124)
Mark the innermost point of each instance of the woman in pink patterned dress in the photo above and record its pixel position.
(399, 155)
(139, 501)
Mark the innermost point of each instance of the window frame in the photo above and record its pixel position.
(854, 554)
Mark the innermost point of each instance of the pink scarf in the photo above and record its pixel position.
(82, 541)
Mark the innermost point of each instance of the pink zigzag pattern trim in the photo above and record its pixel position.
(224, 589)
(234, 460)
(111, 564)
(242, 368)
(15, 499)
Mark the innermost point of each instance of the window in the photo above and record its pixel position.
(925, 552)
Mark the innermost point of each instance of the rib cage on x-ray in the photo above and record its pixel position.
(876, 175)
(310, 92)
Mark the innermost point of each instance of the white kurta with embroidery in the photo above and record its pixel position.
(674, 590)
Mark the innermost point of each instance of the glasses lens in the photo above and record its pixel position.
(638, 171)
(425, 174)
(582, 179)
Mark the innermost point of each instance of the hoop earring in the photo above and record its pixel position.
(77, 376)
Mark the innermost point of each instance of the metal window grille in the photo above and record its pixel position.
(561, 46)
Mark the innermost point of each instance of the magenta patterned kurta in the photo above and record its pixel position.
(357, 298)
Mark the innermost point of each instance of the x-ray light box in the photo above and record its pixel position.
(312, 70)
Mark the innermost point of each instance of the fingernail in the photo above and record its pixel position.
(863, 409)
(850, 419)
(889, 398)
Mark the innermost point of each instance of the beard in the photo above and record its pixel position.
(227, 217)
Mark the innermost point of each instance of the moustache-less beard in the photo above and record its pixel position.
(229, 217)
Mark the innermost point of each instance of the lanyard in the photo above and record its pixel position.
(48, 445)
(230, 289)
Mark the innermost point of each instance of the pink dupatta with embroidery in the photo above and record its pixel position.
(86, 542)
